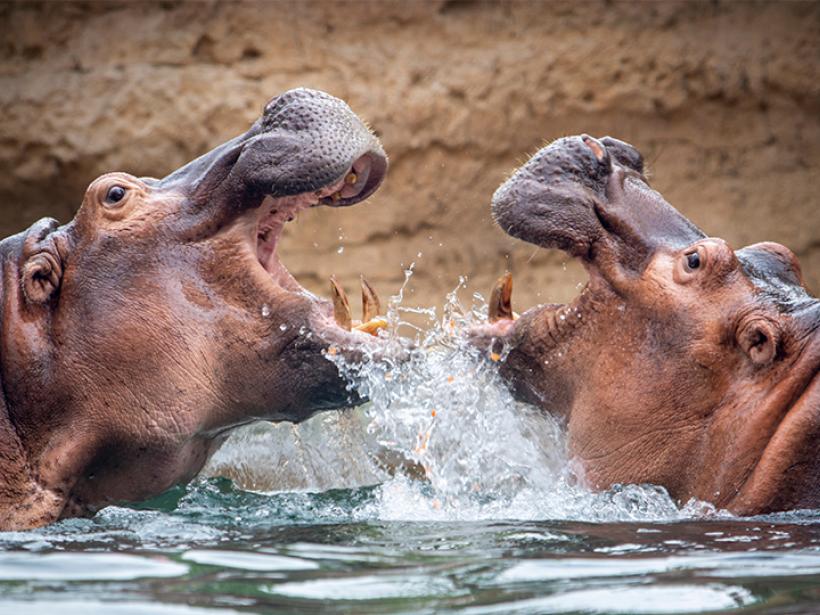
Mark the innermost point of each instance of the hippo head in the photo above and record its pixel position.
(682, 363)
(161, 316)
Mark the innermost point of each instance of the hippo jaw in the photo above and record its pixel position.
(791, 451)
(783, 418)
(308, 149)
(268, 222)
(678, 347)
(262, 229)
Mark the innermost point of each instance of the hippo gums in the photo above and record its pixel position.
(682, 363)
(137, 335)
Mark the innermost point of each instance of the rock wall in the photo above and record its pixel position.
(723, 98)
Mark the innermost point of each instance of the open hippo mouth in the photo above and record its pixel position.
(267, 224)
(678, 348)
(307, 149)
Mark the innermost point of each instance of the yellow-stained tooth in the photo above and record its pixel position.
(351, 178)
(335, 197)
(341, 306)
(371, 304)
(372, 327)
(500, 307)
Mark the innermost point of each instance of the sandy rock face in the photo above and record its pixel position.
(722, 98)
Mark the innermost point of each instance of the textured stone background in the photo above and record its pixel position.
(723, 98)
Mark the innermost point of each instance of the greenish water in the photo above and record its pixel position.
(214, 548)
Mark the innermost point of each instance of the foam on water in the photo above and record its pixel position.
(442, 436)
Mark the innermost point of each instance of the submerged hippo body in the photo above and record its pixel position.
(683, 363)
(138, 334)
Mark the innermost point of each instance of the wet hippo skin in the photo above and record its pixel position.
(135, 336)
(683, 363)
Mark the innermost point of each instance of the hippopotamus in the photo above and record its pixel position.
(682, 363)
(138, 334)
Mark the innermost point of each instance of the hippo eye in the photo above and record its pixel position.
(692, 261)
(115, 194)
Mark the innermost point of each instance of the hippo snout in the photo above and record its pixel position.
(550, 200)
(324, 139)
(304, 141)
(580, 192)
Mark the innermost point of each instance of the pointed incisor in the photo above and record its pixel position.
(341, 306)
(501, 299)
(371, 304)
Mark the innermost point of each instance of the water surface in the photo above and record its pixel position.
(215, 548)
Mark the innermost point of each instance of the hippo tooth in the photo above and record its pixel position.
(341, 306)
(372, 326)
(351, 178)
(335, 197)
(596, 148)
(501, 299)
(371, 304)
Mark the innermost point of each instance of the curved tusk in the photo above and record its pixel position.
(341, 306)
(371, 304)
(500, 307)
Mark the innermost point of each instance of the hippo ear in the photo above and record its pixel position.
(42, 269)
(759, 340)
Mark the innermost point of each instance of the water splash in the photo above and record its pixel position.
(442, 436)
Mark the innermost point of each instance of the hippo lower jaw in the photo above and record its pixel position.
(261, 230)
(559, 319)
(781, 427)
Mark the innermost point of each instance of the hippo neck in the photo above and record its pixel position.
(23, 501)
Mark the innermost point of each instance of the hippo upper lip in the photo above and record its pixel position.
(569, 196)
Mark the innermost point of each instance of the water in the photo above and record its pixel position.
(214, 548)
(442, 495)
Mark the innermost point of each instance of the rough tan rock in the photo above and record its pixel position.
(723, 98)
